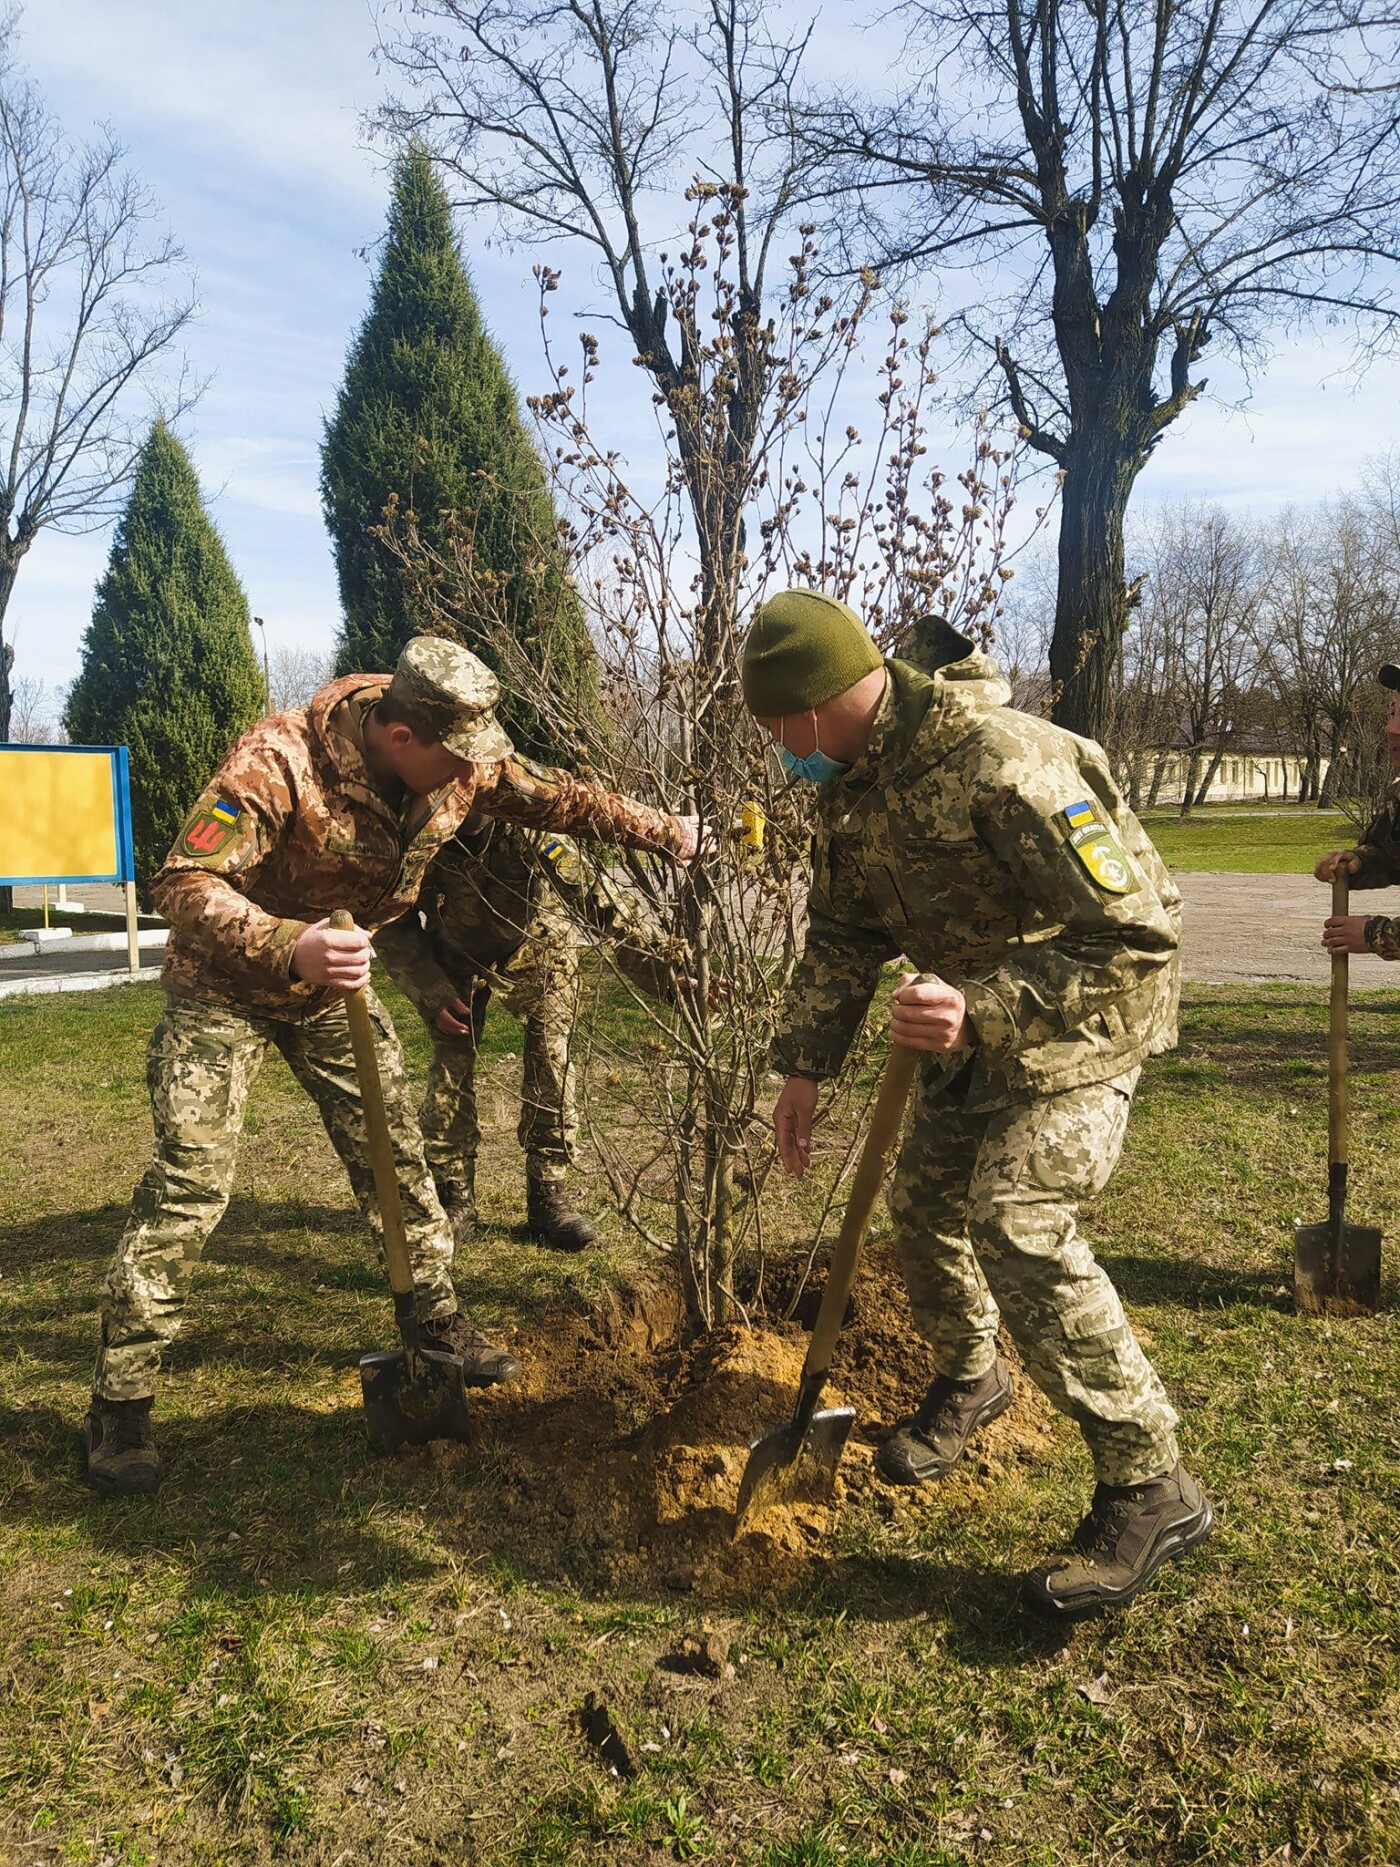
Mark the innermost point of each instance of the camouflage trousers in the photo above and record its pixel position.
(201, 1064)
(986, 1203)
(539, 985)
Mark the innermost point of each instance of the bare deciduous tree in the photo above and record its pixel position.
(1144, 177)
(294, 674)
(87, 317)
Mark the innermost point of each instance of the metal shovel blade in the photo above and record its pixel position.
(789, 1465)
(412, 1397)
(1336, 1269)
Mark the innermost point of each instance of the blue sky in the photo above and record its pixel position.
(245, 121)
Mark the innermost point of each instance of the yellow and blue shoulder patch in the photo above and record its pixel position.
(209, 830)
(1098, 849)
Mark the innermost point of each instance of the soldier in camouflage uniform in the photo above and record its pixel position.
(1375, 862)
(342, 804)
(499, 913)
(994, 850)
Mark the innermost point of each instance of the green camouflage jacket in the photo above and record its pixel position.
(1379, 854)
(496, 885)
(994, 849)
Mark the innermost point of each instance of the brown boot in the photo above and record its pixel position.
(120, 1446)
(930, 1444)
(1130, 1531)
(483, 1364)
(457, 1197)
(553, 1220)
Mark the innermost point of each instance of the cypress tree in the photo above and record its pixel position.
(428, 413)
(168, 665)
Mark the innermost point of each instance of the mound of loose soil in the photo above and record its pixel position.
(623, 1447)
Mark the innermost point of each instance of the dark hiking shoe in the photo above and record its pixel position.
(458, 1200)
(483, 1364)
(120, 1446)
(552, 1219)
(930, 1444)
(1130, 1531)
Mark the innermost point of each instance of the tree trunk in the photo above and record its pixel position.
(1203, 790)
(1188, 789)
(1091, 598)
(1159, 772)
(8, 568)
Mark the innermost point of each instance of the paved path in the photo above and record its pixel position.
(1258, 927)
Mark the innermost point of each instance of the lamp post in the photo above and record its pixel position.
(267, 677)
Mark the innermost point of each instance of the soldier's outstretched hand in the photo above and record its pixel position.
(792, 1123)
(693, 844)
(325, 956)
(1326, 870)
(926, 1013)
(1345, 933)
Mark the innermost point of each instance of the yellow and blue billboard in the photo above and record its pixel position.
(65, 814)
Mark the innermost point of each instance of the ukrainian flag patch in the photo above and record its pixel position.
(1098, 850)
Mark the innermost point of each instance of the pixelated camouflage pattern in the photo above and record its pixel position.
(499, 915)
(985, 1208)
(1379, 847)
(313, 833)
(202, 1062)
(947, 842)
(451, 696)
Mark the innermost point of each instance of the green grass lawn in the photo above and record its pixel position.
(1248, 843)
(299, 1652)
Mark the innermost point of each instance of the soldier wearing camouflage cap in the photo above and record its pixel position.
(340, 804)
(994, 851)
(1375, 861)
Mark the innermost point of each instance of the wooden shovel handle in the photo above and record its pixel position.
(1337, 1039)
(381, 1146)
(900, 1070)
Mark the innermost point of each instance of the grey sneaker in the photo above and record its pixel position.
(483, 1364)
(121, 1447)
(1130, 1531)
(930, 1444)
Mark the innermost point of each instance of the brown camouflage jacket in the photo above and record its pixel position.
(1379, 853)
(994, 849)
(497, 885)
(292, 826)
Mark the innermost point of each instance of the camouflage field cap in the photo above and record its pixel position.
(450, 696)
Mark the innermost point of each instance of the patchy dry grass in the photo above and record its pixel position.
(300, 1652)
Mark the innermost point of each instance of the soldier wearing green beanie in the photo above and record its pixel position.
(993, 850)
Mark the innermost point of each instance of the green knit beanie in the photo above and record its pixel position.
(804, 648)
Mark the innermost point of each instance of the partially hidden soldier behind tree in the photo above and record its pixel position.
(500, 913)
(994, 851)
(1375, 862)
(341, 804)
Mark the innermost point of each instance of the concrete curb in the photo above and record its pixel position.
(76, 982)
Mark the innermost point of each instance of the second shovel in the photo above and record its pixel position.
(1336, 1266)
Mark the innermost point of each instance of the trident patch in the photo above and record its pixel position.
(209, 831)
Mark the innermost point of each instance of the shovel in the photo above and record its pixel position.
(799, 1460)
(1336, 1266)
(414, 1394)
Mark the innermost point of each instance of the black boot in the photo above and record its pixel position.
(120, 1446)
(553, 1220)
(483, 1364)
(930, 1444)
(1130, 1531)
(457, 1197)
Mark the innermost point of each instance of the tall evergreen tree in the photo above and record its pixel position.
(428, 413)
(168, 666)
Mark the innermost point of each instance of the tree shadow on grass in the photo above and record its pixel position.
(1194, 1283)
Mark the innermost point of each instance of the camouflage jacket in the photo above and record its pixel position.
(1379, 855)
(292, 826)
(497, 885)
(994, 849)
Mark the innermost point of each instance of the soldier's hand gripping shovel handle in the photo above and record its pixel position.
(418, 1394)
(800, 1459)
(1336, 1266)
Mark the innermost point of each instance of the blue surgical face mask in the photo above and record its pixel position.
(816, 767)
